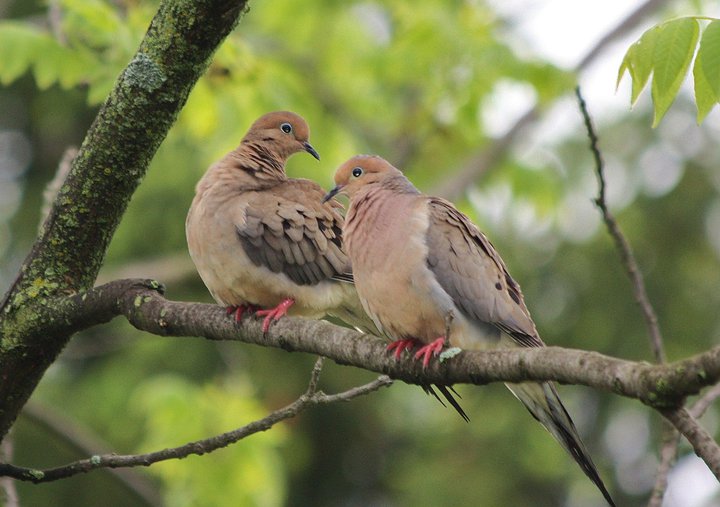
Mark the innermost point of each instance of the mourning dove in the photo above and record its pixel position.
(426, 275)
(263, 242)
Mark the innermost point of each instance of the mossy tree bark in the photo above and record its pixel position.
(112, 161)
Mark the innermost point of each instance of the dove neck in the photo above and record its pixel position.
(397, 184)
(258, 161)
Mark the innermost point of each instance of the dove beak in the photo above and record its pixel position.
(335, 191)
(308, 147)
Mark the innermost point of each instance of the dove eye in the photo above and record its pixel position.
(286, 127)
(357, 172)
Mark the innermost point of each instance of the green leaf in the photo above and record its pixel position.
(706, 71)
(638, 62)
(704, 94)
(49, 63)
(673, 52)
(18, 47)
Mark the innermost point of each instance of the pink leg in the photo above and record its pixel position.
(399, 346)
(431, 349)
(274, 313)
(239, 311)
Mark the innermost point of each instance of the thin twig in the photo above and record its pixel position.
(55, 21)
(624, 249)
(703, 403)
(670, 441)
(668, 450)
(668, 454)
(702, 442)
(53, 187)
(487, 158)
(83, 441)
(310, 398)
(8, 490)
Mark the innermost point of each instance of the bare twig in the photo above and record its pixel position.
(703, 403)
(702, 442)
(310, 398)
(671, 438)
(172, 268)
(84, 441)
(485, 159)
(8, 492)
(624, 249)
(55, 21)
(627, 24)
(668, 454)
(668, 450)
(53, 187)
(488, 158)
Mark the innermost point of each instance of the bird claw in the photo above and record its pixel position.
(399, 346)
(273, 314)
(431, 349)
(239, 310)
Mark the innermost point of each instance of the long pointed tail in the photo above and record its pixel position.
(543, 402)
(357, 318)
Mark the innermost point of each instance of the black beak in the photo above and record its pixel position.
(332, 193)
(308, 147)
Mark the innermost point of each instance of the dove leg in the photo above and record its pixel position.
(431, 349)
(272, 314)
(399, 346)
(238, 311)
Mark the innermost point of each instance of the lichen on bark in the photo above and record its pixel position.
(111, 163)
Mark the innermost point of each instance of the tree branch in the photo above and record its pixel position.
(83, 441)
(310, 398)
(8, 491)
(623, 246)
(668, 448)
(705, 446)
(671, 438)
(111, 162)
(142, 304)
(483, 161)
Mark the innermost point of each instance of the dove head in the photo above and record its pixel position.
(362, 171)
(283, 133)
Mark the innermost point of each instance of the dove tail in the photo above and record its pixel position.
(543, 402)
(449, 394)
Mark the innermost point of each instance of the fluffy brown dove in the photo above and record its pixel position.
(426, 275)
(263, 242)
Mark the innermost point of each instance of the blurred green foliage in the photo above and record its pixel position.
(412, 81)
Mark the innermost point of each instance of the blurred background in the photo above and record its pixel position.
(474, 100)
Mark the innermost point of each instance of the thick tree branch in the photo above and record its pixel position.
(141, 303)
(310, 398)
(111, 162)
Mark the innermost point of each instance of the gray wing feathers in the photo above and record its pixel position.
(291, 238)
(470, 270)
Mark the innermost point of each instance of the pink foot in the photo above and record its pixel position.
(431, 349)
(399, 346)
(239, 311)
(274, 313)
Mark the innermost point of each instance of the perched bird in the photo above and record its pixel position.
(263, 242)
(426, 275)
